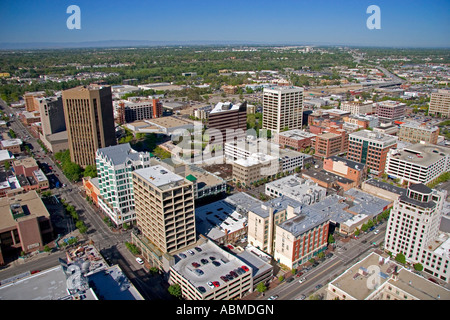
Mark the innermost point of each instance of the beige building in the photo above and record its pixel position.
(377, 277)
(89, 118)
(165, 217)
(282, 108)
(414, 132)
(440, 103)
(254, 168)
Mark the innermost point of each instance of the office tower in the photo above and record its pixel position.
(413, 230)
(391, 110)
(370, 148)
(282, 108)
(230, 120)
(52, 115)
(165, 217)
(115, 165)
(88, 111)
(418, 163)
(440, 103)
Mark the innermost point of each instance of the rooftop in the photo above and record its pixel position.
(422, 154)
(120, 154)
(374, 136)
(225, 106)
(158, 176)
(297, 134)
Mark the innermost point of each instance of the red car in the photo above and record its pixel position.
(230, 247)
(195, 264)
(244, 268)
(216, 284)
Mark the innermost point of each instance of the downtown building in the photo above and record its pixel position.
(390, 111)
(165, 215)
(228, 119)
(414, 132)
(130, 111)
(89, 117)
(440, 103)
(418, 163)
(371, 149)
(282, 108)
(413, 230)
(115, 165)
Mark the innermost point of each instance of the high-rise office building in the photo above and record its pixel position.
(52, 115)
(89, 115)
(230, 119)
(165, 217)
(282, 108)
(413, 230)
(115, 165)
(440, 103)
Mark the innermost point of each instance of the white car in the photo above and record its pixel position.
(302, 280)
(139, 260)
(376, 231)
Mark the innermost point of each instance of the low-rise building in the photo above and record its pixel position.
(343, 167)
(302, 190)
(12, 145)
(419, 163)
(295, 139)
(415, 132)
(390, 110)
(377, 277)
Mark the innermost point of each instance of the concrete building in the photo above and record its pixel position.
(440, 103)
(362, 121)
(370, 148)
(415, 132)
(31, 100)
(390, 110)
(255, 168)
(413, 230)
(88, 111)
(358, 107)
(419, 163)
(165, 217)
(11, 145)
(25, 225)
(230, 120)
(52, 115)
(208, 272)
(302, 190)
(282, 108)
(115, 165)
(377, 277)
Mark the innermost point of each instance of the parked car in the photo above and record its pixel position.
(139, 260)
(302, 280)
(301, 297)
(275, 297)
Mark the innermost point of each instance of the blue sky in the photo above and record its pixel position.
(417, 23)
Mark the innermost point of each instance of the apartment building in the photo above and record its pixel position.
(390, 110)
(230, 120)
(440, 103)
(89, 117)
(413, 230)
(370, 148)
(282, 108)
(414, 132)
(165, 217)
(115, 165)
(377, 277)
(418, 163)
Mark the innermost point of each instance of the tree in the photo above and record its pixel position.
(72, 171)
(90, 171)
(400, 257)
(175, 290)
(261, 287)
(330, 239)
(418, 267)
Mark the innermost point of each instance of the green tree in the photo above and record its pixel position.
(90, 171)
(72, 171)
(261, 287)
(418, 267)
(175, 290)
(330, 239)
(400, 257)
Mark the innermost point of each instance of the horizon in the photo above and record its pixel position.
(404, 24)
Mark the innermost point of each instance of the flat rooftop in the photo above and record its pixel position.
(210, 272)
(377, 137)
(297, 134)
(423, 154)
(158, 176)
(224, 107)
(366, 203)
(216, 219)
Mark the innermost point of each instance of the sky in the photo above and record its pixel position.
(414, 23)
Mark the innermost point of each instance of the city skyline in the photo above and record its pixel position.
(403, 24)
